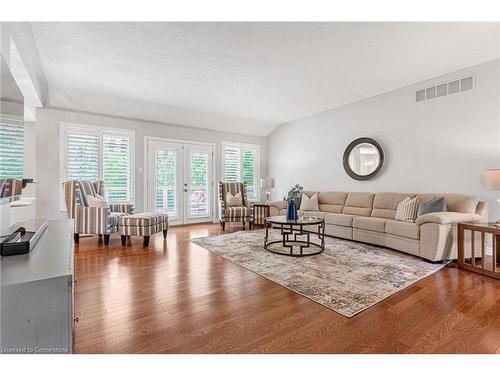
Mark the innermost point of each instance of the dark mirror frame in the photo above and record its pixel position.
(347, 152)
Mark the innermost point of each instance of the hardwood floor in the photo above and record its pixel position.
(176, 297)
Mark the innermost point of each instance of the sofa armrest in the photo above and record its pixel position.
(276, 208)
(222, 209)
(447, 218)
(92, 220)
(278, 204)
(126, 208)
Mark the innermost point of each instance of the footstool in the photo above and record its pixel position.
(144, 224)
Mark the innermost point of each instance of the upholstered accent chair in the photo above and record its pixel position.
(92, 220)
(233, 214)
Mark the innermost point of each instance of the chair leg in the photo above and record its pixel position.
(106, 239)
(223, 224)
(77, 238)
(100, 237)
(250, 225)
(243, 225)
(165, 234)
(124, 240)
(146, 240)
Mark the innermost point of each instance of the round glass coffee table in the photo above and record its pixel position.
(289, 244)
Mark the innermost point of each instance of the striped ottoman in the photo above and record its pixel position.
(145, 224)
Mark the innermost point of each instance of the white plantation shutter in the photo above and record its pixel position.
(93, 153)
(232, 164)
(82, 155)
(11, 148)
(116, 166)
(249, 171)
(241, 164)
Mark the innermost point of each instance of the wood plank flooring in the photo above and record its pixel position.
(176, 297)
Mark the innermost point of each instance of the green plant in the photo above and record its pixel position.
(294, 193)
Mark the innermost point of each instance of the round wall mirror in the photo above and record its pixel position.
(363, 158)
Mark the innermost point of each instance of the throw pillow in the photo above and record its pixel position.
(433, 205)
(309, 204)
(234, 200)
(96, 201)
(407, 209)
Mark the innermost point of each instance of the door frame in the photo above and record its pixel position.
(148, 138)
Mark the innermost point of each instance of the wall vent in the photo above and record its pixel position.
(445, 88)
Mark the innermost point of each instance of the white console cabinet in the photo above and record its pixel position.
(36, 295)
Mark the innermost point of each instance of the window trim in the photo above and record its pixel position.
(65, 126)
(252, 146)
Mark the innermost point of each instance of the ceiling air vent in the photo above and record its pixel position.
(445, 88)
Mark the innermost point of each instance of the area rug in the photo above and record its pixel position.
(348, 277)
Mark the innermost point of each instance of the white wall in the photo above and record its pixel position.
(48, 154)
(440, 145)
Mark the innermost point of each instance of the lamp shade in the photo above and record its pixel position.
(491, 179)
(266, 183)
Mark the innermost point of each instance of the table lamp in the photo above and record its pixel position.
(267, 183)
(491, 181)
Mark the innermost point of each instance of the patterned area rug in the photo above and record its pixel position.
(348, 277)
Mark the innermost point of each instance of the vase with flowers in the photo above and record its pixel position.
(293, 200)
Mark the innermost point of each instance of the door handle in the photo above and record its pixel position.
(185, 190)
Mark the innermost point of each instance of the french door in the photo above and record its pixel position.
(180, 180)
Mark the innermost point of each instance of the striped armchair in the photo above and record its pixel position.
(92, 220)
(234, 214)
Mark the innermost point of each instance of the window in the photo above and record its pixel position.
(241, 164)
(92, 153)
(11, 148)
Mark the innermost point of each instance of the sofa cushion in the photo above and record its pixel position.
(234, 212)
(332, 201)
(309, 193)
(434, 205)
(454, 202)
(403, 229)
(358, 204)
(96, 201)
(375, 224)
(309, 204)
(235, 200)
(386, 204)
(313, 213)
(407, 209)
(343, 220)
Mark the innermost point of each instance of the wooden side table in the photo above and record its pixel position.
(260, 212)
(480, 261)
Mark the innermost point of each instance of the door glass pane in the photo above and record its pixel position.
(199, 194)
(166, 194)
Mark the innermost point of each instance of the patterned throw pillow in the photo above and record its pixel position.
(309, 204)
(407, 209)
(435, 204)
(234, 200)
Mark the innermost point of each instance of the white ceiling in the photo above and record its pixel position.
(246, 77)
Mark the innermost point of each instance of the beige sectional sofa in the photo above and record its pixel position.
(370, 217)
